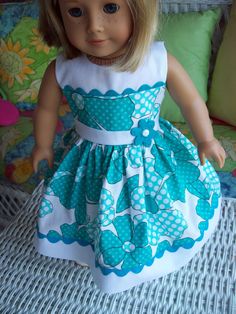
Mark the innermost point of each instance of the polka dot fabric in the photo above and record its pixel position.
(134, 155)
(133, 210)
(143, 102)
(104, 113)
(138, 199)
(46, 208)
(106, 212)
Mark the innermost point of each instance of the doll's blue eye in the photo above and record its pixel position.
(111, 8)
(75, 12)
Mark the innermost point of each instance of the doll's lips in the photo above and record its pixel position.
(96, 42)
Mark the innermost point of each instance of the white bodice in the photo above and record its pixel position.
(81, 73)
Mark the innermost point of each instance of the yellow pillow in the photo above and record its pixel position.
(222, 96)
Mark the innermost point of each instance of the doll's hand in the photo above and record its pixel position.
(211, 149)
(39, 154)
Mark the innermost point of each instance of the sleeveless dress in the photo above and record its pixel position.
(127, 195)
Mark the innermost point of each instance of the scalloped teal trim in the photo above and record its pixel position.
(111, 93)
(163, 246)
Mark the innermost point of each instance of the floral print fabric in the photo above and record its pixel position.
(130, 203)
(24, 56)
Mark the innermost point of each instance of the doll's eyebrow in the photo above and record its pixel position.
(73, 1)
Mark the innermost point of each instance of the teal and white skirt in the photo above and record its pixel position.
(132, 212)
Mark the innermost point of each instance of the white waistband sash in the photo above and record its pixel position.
(103, 136)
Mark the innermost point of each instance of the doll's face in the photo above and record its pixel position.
(99, 28)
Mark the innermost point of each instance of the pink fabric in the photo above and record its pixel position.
(9, 114)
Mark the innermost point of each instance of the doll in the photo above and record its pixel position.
(127, 194)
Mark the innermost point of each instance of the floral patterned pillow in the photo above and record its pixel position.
(23, 55)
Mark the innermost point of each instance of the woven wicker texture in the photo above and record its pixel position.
(11, 200)
(34, 284)
(191, 5)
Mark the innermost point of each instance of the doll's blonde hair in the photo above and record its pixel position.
(145, 16)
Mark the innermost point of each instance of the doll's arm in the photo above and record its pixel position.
(194, 110)
(45, 117)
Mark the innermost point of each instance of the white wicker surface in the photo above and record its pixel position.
(34, 284)
(11, 201)
(177, 6)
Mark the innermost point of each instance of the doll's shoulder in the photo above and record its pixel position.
(50, 72)
(49, 88)
(51, 67)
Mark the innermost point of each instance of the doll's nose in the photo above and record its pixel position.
(95, 24)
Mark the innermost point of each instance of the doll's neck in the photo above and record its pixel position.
(104, 61)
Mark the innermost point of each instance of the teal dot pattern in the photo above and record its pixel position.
(156, 185)
(80, 173)
(124, 200)
(46, 208)
(111, 114)
(49, 191)
(144, 102)
(106, 211)
(138, 199)
(79, 101)
(130, 203)
(117, 167)
(101, 112)
(169, 223)
(134, 155)
(205, 209)
(211, 181)
(157, 103)
(88, 234)
(128, 247)
(69, 232)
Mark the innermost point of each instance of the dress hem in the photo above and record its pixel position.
(111, 283)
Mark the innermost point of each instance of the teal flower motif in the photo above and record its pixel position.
(134, 156)
(46, 208)
(88, 233)
(206, 209)
(79, 101)
(144, 133)
(124, 201)
(106, 211)
(170, 223)
(117, 166)
(129, 248)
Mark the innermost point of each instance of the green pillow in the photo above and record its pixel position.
(187, 36)
(222, 96)
(23, 60)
